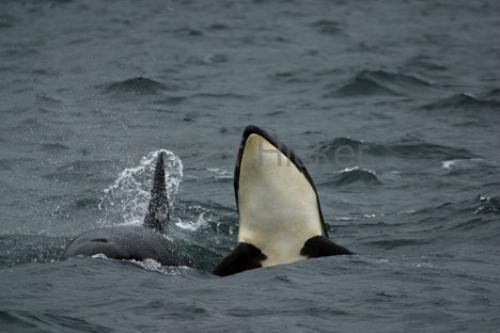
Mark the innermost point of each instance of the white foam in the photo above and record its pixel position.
(448, 164)
(192, 226)
(220, 173)
(153, 265)
(408, 211)
(343, 218)
(460, 164)
(100, 256)
(355, 168)
(349, 169)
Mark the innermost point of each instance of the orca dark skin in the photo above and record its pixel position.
(136, 242)
(280, 218)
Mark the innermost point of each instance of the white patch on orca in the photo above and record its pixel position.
(278, 207)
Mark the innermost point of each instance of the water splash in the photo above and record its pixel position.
(192, 226)
(126, 200)
(154, 266)
(488, 205)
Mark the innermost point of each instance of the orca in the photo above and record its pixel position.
(280, 218)
(136, 242)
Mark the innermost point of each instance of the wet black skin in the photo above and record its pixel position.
(136, 242)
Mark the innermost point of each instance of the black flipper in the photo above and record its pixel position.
(158, 210)
(244, 257)
(321, 246)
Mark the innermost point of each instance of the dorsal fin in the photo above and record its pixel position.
(158, 210)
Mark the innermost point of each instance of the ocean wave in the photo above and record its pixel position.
(331, 146)
(188, 32)
(44, 321)
(468, 214)
(390, 244)
(192, 226)
(368, 83)
(220, 96)
(455, 222)
(171, 100)
(136, 85)
(353, 175)
(220, 173)
(53, 147)
(207, 59)
(488, 205)
(407, 149)
(155, 266)
(218, 27)
(463, 101)
(427, 64)
(461, 166)
(424, 150)
(292, 77)
(480, 204)
(468, 225)
(48, 100)
(328, 27)
(195, 215)
(493, 93)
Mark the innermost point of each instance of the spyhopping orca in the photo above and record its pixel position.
(280, 219)
(136, 242)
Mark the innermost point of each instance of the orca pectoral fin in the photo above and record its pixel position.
(244, 257)
(321, 246)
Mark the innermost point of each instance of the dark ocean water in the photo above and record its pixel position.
(394, 107)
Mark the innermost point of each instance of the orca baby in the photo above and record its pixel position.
(136, 242)
(280, 219)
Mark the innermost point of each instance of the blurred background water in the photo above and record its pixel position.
(394, 108)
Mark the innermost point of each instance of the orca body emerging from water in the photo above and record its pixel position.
(136, 242)
(280, 219)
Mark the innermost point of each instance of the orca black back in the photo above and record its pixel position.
(136, 242)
